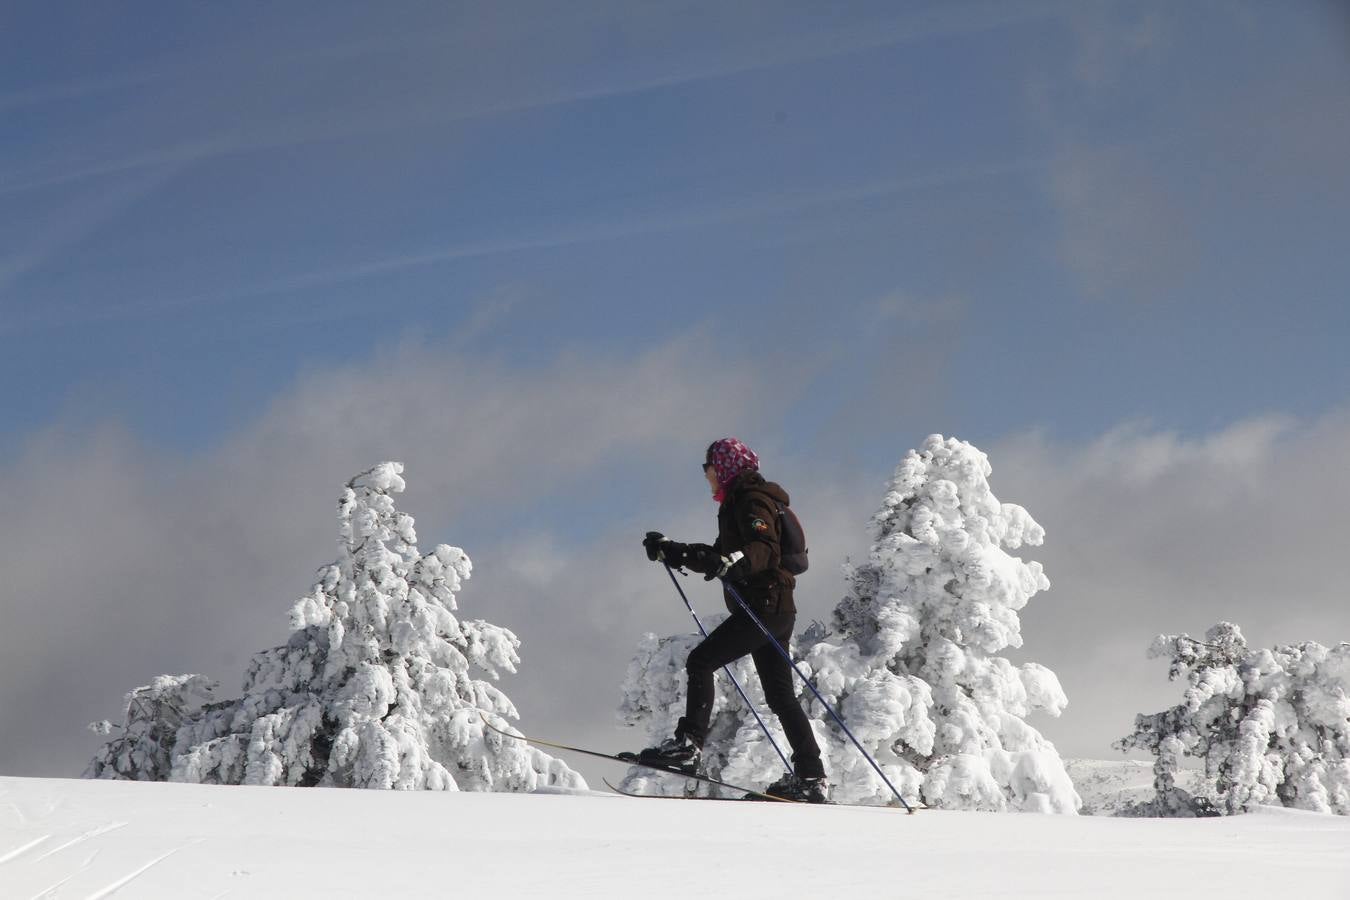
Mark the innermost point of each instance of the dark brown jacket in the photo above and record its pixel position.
(748, 521)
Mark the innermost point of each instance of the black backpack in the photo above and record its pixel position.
(791, 541)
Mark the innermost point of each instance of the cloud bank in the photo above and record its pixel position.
(121, 562)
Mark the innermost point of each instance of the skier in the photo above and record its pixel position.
(748, 523)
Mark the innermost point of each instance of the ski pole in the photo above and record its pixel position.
(773, 640)
(750, 706)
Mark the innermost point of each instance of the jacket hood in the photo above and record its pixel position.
(753, 481)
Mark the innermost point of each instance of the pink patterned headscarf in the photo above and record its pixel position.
(729, 458)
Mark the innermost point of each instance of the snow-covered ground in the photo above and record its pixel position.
(95, 839)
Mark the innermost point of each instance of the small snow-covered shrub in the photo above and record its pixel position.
(909, 660)
(375, 687)
(1271, 726)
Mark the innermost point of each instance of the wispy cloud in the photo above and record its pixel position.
(779, 203)
(489, 313)
(37, 95)
(1137, 218)
(1123, 232)
(409, 109)
(167, 157)
(67, 226)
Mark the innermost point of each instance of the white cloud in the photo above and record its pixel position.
(1168, 160)
(251, 94)
(47, 236)
(914, 311)
(1150, 532)
(52, 92)
(739, 209)
(1107, 51)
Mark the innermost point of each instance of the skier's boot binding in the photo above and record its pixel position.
(804, 790)
(678, 752)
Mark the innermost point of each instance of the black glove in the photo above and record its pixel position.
(706, 561)
(662, 549)
(738, 570)
(718, 566)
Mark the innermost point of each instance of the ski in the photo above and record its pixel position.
(756, 796)
(632, 760)
(753, 795)
(618, 790)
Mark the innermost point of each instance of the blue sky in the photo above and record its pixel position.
(235, 236)
(1117, 196)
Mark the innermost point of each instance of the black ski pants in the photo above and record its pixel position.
(728, 642)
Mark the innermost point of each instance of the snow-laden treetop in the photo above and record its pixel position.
(939, 567)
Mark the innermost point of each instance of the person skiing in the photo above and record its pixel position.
(747, 553)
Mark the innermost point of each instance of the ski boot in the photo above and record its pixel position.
(678, 752)
(803, 790)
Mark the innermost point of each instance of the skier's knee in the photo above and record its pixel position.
(697, 661)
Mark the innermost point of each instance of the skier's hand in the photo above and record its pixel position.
(739, 569)
(717, 568)
(726, 567)
(662, 549)
(704, 560)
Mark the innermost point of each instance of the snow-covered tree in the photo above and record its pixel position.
(374, 689)
(143, 750)
(909, 659)
(1271, 726)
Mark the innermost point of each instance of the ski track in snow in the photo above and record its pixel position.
(51, 891)
(79, 839)
(127, 879)
(20, 851)
(21, 856)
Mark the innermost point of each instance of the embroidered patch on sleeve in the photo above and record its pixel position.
(759, 524)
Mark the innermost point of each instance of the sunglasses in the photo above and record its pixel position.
(706, 467)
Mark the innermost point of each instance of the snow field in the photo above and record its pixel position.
(95, 839)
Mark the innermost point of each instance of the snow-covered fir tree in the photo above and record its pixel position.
(910, 659)
(1271, 726)
(375, 688)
